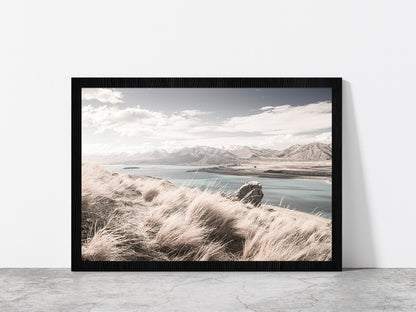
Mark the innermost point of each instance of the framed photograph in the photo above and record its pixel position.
(206, 174)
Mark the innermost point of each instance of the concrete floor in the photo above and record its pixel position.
(352, 290)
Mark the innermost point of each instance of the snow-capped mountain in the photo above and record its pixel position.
(205, 155)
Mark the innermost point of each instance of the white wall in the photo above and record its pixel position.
(369, 43)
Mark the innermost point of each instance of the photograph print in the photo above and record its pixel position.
(206, 174)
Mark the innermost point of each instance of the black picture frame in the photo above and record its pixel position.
(77, 264)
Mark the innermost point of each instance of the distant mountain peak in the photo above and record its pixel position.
(232, 155)
(308, 152)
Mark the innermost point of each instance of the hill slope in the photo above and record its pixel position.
(148, 219)
(308, 152)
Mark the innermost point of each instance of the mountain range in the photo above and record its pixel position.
(205, 155)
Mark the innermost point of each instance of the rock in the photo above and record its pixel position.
(250, 192)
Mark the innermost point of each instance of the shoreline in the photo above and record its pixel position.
(277, 174)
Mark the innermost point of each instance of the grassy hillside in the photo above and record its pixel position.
(143, 218)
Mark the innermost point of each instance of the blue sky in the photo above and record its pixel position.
(139, 120)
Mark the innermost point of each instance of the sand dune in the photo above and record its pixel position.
(126, 217)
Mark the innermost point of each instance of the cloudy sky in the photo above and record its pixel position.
(140, 120)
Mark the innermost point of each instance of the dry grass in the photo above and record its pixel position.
(143, 218)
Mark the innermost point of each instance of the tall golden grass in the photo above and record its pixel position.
(127, 218)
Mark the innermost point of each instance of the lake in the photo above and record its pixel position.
(311, 196)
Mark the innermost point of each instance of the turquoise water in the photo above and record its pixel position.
(311, 196)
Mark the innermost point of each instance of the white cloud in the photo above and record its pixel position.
(272, 127)
(279, 120)
(287, 140)
(135, 121)
(282, 120)
(261, 141)
(193, 113)
(102, 95)
(265, 108)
